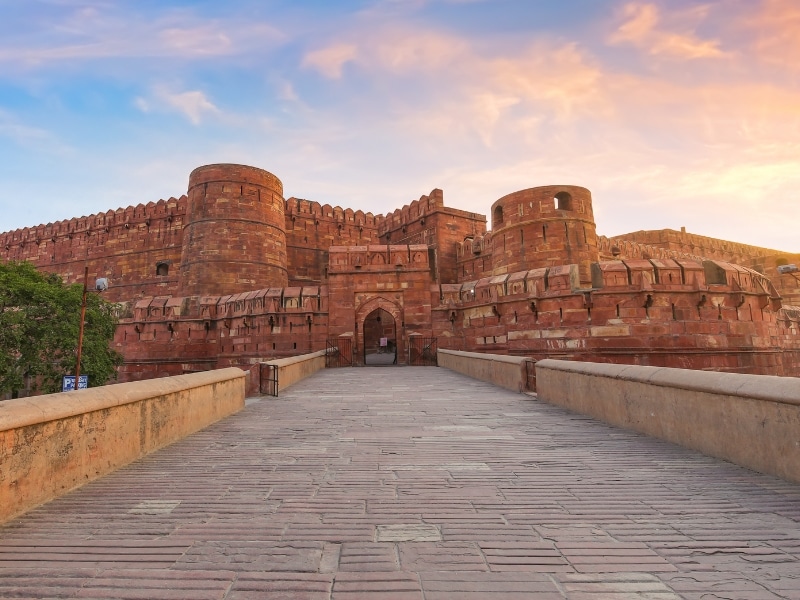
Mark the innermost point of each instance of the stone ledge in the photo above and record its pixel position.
(785, 390)
(52, 444)
(296, 368)
(505, 371)
(749, 420)
(22, 412)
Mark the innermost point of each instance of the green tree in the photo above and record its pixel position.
(39, 321)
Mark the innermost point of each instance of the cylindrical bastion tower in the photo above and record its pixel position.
(234, 237)
(543, 227)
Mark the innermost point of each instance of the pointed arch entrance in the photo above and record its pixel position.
(379, 323)
(380, 338)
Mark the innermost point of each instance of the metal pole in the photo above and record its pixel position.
(80, 327)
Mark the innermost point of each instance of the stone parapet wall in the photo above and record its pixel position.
(685, 314)
(508, 372)
(52, 444)
(750, 420)
(294, 369)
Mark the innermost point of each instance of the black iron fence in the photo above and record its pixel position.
(268, 379)
(530, 375)
(422, 351)
(339, 352)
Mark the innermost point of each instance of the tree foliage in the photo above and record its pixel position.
(39, 321)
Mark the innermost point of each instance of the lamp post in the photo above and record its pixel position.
(80, 328)
(100, 286)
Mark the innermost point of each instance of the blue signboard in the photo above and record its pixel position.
(68, 383)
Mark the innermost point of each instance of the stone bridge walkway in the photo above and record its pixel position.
(412, 483)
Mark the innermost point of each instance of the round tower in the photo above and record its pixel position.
(543, 227)
(234, 236)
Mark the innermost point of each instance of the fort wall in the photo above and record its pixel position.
(233, 275)
(684, 314)
(679, 244)
(138, 248)
(428, 221)
(690, 243)
(312, 228)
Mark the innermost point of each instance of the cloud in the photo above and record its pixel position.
(330, 61)
(557, 77)
(400, 50)
(775, 25)
(113, 30)
(192, 104)
(391, 50)
(436, 81)
(27, 136)
(642, 28)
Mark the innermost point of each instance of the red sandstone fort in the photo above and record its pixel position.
(233, 273)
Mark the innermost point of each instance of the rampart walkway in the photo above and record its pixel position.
(412, 483)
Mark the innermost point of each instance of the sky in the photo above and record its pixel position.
(674, 113)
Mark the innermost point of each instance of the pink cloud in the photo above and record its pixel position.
(644, 28)
(330, 61)
(775, 26)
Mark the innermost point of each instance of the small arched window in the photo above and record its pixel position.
(162, 269)
(498, 217)
(563, 201)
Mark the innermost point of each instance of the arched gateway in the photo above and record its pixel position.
(379, 325)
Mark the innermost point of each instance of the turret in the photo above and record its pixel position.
(543, 227)
(234, 237)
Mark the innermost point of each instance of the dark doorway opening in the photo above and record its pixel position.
(380, 338)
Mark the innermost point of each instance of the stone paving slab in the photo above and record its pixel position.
(412, 482)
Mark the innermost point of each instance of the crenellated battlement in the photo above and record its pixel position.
(130, 246)
(409, 213)
(130, 216)
(694, 244)
(193, 308)
(299, 207)
(613, 248)
(637, 275)
(472, 246)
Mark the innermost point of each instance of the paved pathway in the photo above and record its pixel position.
(412, 483)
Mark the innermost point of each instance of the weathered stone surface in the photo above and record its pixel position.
(286, 499)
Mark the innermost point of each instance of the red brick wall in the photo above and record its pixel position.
(124, 246)
(312, 228)
(660, 313)
(427, 221)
